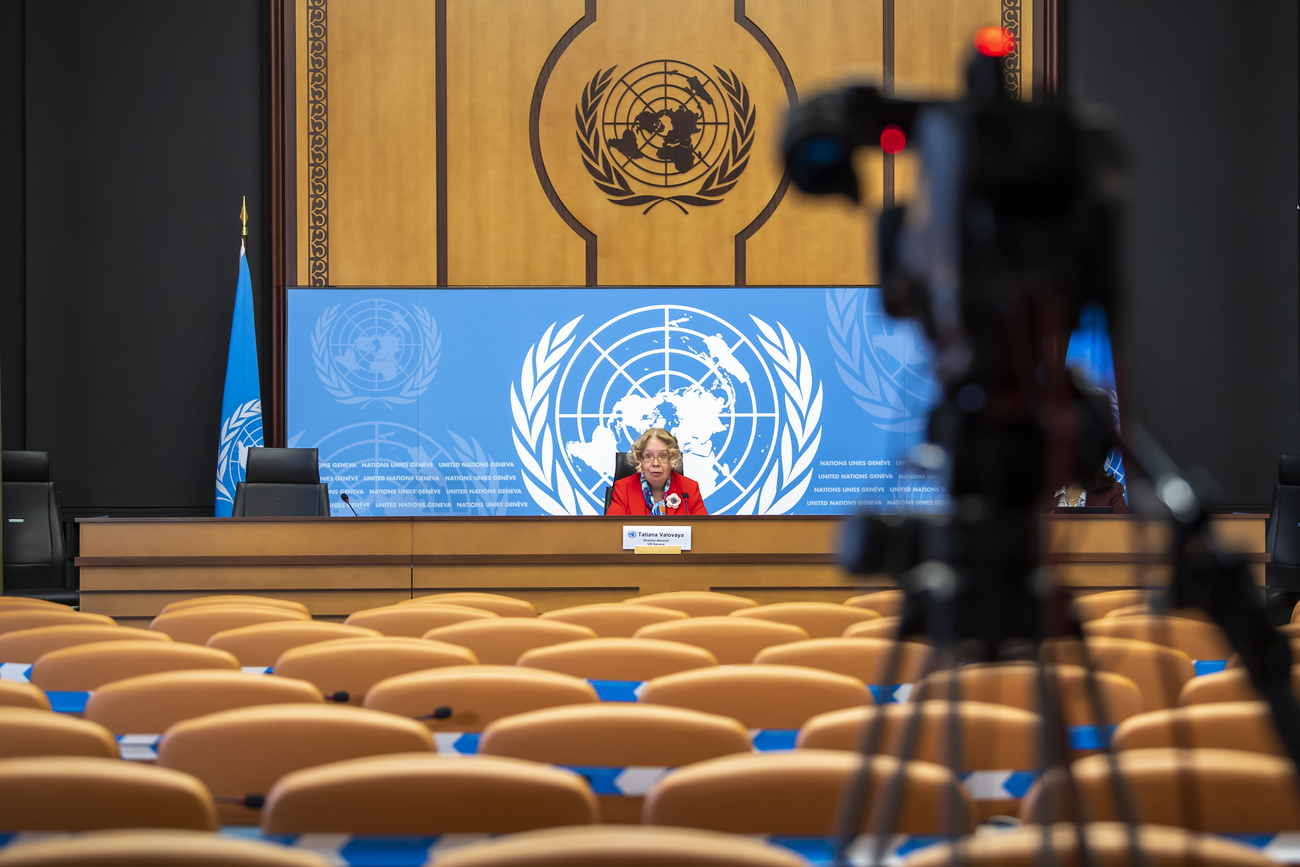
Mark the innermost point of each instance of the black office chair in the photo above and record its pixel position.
(35, 561)
(281, 483)
(1282, 542)
(623, 467)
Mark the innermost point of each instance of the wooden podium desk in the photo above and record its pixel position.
(132, 567)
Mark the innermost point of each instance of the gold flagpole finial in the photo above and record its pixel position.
(243, 214)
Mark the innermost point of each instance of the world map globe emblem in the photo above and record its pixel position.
(665, 123)
(376, 350)
(679, 368)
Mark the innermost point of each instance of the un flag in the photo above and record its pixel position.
(241, 405)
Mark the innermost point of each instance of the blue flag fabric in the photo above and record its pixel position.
(1090, 353)
(241, 404)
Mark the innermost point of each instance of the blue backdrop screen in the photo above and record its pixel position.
(514, 401)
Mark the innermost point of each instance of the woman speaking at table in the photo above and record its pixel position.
(656, 489)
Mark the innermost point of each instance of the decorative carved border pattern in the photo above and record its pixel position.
(318, 203)
(1011, 63)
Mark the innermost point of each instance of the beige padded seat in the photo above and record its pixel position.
(67, 793)
(15, 694)
(10, 602)
(863, 658)
(197, 624)
(27, 645)
(158, 848)
(993, 738)
(476, 695)
(1015, 684)
(502, 640)
(423, 794)
(618, 658)
(613, 619)
(497, 603)
(1197, 639)
(614, 734)
(90, 666)
(412, 621)
(1159, 672)
(15, 618)
(884, 627)
(1213, 791)
(1144, 609)
(28, 732)
(152, 703)
(732, 640)
(1097, 605)
(758, 696)
(886, 603)
(1108, 846)
(353, 665)
(695, 603)
(818, 619)
(235, 599)
(624, 846)
(797, 794)
(244, 751)
(1228, 725)
(262, 643)
(1231, 684)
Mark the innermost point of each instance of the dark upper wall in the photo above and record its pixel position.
(144, 124)
(1205, 93)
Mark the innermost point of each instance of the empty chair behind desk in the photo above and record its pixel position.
(244, 751)
(281, 482)
(733, 640)
(797, 794)
(818, 619)
(12, 619)
(502, 640)
(75, 793)
(864, 658)
(235, 599)
(497, 603)
(27, 732)
(628, 659)
(90, 666)
(28, 645)
(886, 603)
(412, 621)
(758, 696)
(354, 665)
(614, 619)
(424, 794)
(152, 703)
(197, 624)
(695, 603)
(262, 643)
(1228, 725)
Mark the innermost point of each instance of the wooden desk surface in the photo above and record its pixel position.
(131, 567)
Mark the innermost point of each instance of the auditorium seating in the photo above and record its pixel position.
(1199, 640)
(613, 619)
(15, 694)
(197, 624)
(1096, 605)
(696, 603)
(758, 696)
(424, 794)
(235, 599)
(14, 618)
(151, 703)
(1159, 672)
(1144, 609)
(505, 606)
(10, 602)
(501, 641)
(619, 747)
(354, 665)
(1228, 725)
(27, 645)
(158, 848)
(818, 619)
(731, 640)
(28, 732)
(625, 846)
(626, 659)
(243, 752)
(797, 794)
(883, 627)
(412, 621)
(863, 658)
(886, 603)
(262, 643)
(75, 793)
(90, 666)
(1232, 684)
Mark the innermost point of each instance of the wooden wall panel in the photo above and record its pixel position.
(501, 228)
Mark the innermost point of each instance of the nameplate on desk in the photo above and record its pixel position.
(656, 536)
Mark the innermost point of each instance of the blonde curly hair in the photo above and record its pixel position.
(674, 448)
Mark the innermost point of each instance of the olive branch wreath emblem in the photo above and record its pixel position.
(413, 387)
(228, 444)
(853, 360)
(614, 184)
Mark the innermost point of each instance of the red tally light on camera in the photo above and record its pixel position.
(994, 41)
(892, 139)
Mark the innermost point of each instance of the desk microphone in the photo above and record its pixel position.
(686, 502)
(441, 712)
(344, 498)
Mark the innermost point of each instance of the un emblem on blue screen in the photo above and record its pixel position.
(743, 404)
(885, 362)
(666, 131)
(376, 350)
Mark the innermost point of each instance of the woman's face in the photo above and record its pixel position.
(654, 462)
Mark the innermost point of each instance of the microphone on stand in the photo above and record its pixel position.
(686, 502)
(348, 503)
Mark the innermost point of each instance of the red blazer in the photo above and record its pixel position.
(629, 500)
